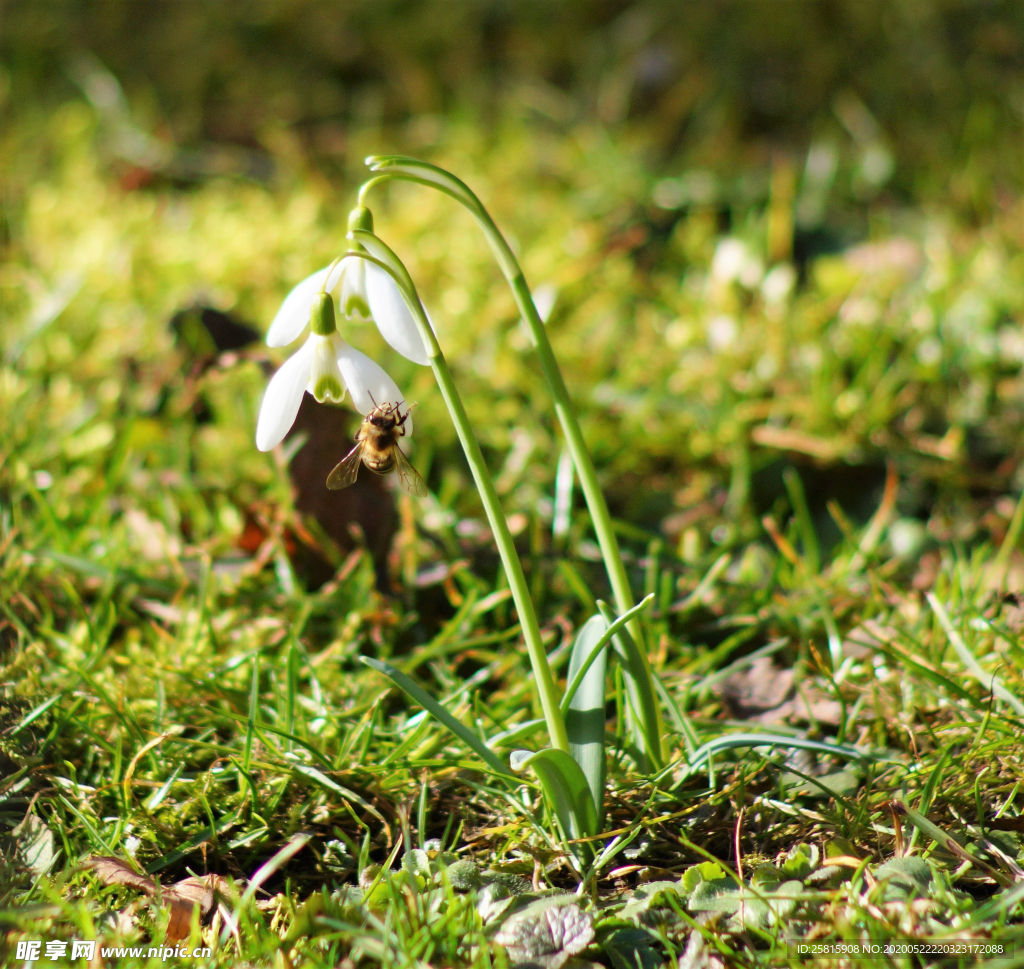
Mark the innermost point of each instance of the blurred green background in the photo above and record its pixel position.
(722, 84)
(773, 233)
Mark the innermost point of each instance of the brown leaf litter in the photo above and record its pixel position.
(182, 897)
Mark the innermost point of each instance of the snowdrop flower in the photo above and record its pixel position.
(366, 292)
(733, 262)
(325, 365)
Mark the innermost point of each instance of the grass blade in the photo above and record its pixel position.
(254, 701)
(704, 753)
(988, 680)
(415, 692)
(808, 537)
(278, 860)
(950, 843)
(514, 734)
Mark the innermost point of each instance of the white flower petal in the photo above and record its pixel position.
(336, 273)
(368, 384)
(353, 302)
(293, 316)
(393, 317)
(325, 379)
(282, 398)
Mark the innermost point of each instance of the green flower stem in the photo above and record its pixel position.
(426, 174)
(377, 252)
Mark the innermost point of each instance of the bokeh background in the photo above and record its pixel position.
(772, 234)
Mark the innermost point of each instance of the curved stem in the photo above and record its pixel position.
(425, 174)
(365, 188)
(382, 256)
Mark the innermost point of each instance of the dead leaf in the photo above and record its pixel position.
(201, 891)
(184, 896)
(180, 922)
(899, 255)
(150, 537)
(760, 687)
(814, 706)
(790, 439)
(928, 567)
(863, 640)
(165, 613)
(181, 897)
(764, 692)
(113, 871)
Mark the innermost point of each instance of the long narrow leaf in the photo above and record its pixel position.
(950, 843)
(584, 720)
(703, 754)
(678, 718)
(439, 713)
(575, 678)
(514, 734)
(314, 775)
(642, 703)
(565, 788)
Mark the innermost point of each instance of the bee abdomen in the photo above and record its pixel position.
(380, 463)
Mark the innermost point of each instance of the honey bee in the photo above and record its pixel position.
(377, 448)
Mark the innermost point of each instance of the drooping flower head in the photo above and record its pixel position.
(325, 365)
(366, 292)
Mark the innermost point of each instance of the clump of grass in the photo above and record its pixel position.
(190, 708)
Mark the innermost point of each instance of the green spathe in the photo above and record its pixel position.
(321, 315)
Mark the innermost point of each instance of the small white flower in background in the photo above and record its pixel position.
(778, 284)
(723, 332)
(733, 262)
(325, 365)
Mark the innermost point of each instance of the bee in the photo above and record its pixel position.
(377, 448)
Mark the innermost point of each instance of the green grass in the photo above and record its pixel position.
(190, 707)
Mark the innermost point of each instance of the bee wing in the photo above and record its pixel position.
(346, 470)
(408, 477)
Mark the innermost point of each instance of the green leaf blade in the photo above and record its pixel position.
(565, 788)
(585, 719)
(415, 692)
(643, 713)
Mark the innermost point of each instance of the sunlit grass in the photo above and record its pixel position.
(174, 698)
